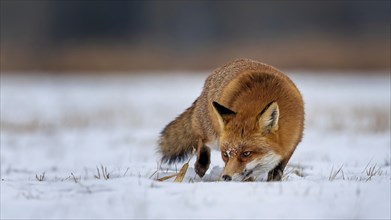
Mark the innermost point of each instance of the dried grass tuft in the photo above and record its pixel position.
(41, 177)
(373, 170)
(179, 176)
(105, 174)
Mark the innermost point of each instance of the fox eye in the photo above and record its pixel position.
(246, 154)
(225, 154)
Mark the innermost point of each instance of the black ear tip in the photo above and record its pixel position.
(216, 105)
(222, 109)
(267, 107)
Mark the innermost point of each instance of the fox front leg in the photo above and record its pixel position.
(203, 159)
(276, 173)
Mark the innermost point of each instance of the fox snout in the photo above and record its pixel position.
(241, 176)
(226, 178)
(237, 177)
(235, 170)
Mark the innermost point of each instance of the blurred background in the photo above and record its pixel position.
(126, 36)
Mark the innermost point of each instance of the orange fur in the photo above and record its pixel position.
(243, 91)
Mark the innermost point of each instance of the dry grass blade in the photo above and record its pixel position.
(179, 176)
(97, 176)
(167, 177)
(183, 170)
(153, 174)
(74, 178)
(182, 173)
(105, 174)
(126, 171)
(334, 175)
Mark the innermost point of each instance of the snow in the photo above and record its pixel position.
(67, 126)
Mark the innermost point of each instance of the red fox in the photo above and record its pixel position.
(251, 111)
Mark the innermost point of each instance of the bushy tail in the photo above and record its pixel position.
(177, 139)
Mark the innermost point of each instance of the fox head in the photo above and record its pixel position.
(247, 143)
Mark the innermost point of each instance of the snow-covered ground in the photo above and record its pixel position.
(66, 127)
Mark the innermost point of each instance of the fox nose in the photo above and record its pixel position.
(227, 178)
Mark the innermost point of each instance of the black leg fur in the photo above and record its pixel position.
(203, 161)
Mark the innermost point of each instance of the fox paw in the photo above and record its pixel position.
(275, 175)
(200, 169)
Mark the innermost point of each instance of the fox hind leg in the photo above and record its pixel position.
(203, 159)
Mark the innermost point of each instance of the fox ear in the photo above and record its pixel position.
(268, 118)
(224, 114)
